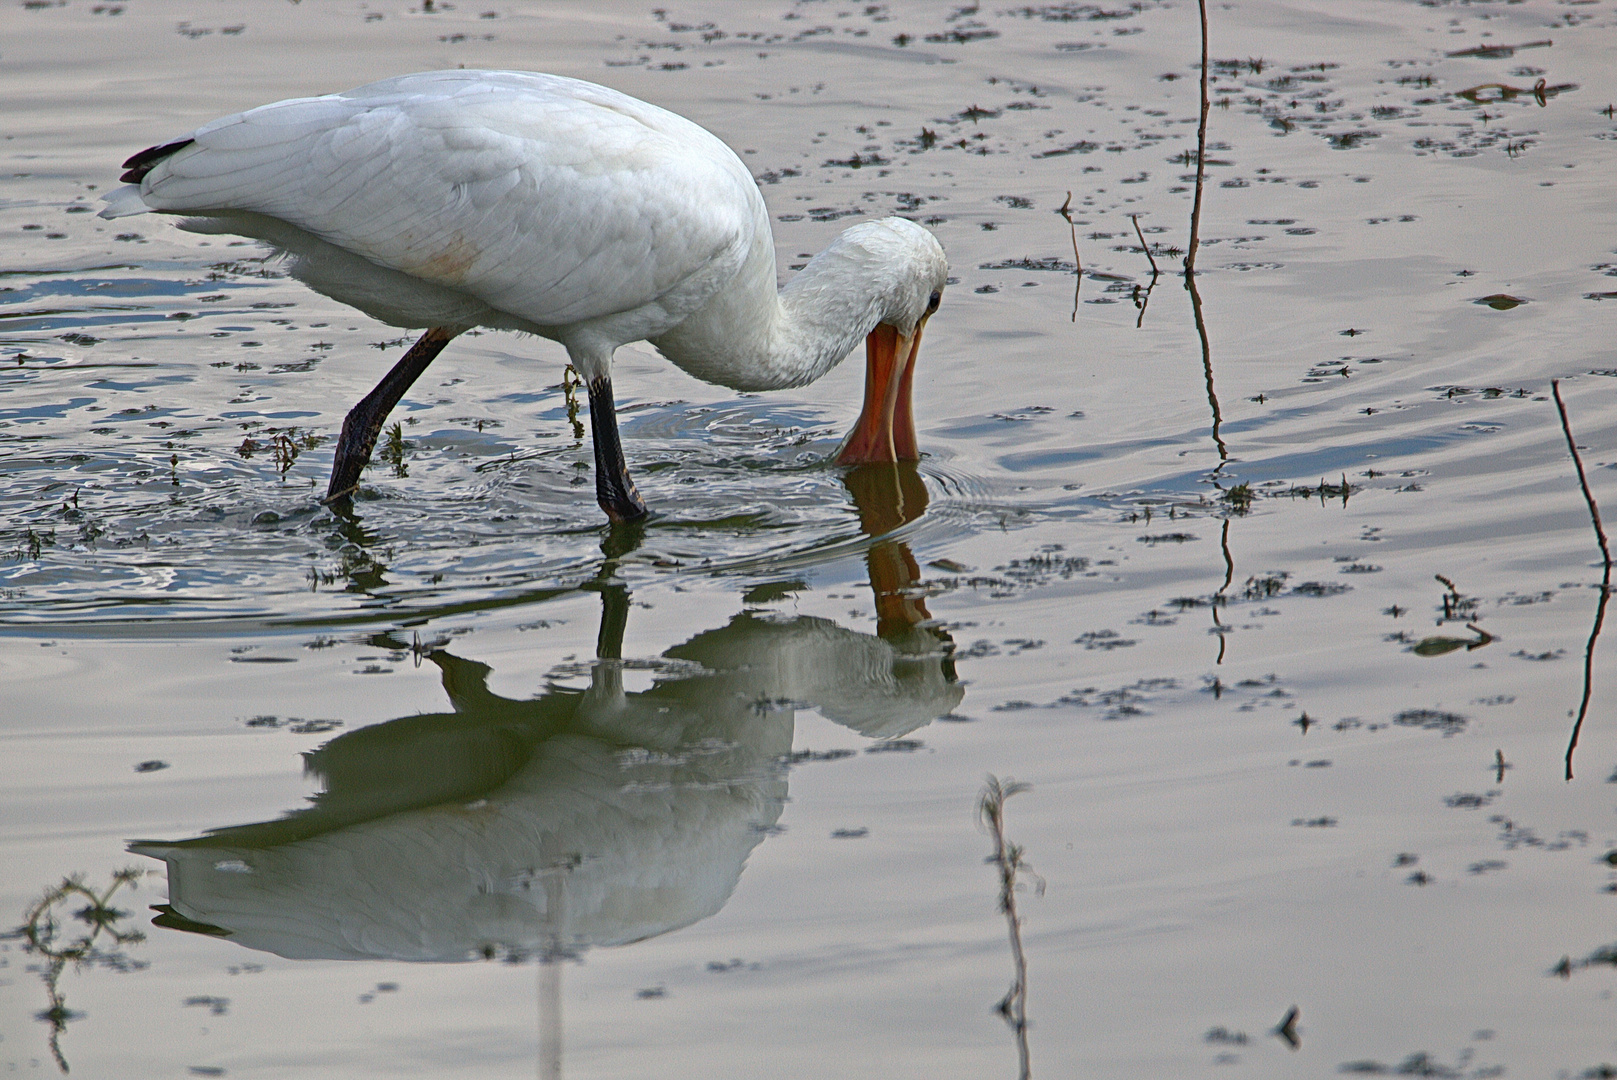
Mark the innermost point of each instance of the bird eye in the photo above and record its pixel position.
(932, 304)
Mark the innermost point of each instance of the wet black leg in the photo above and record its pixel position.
(364, 422)
(614, 490)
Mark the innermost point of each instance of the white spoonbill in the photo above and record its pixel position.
(521, 201)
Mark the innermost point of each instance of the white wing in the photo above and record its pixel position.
(552, 199)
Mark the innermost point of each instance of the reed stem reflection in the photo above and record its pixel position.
(45, 933)
(1009, 860)
(1605, 578)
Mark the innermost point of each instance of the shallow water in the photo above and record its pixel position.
(723, 773)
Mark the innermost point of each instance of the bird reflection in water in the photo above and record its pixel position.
(580, 817)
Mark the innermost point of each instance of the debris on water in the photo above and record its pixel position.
(895, 746)
(1431, 720)
(1050, 263)
(1499, 52)
(1439, 646)
(218, 1006)
(1104, 640)
(771, 591)
(798, 757)
(1319, 589)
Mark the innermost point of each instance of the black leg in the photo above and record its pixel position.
(364, 421)
(614, 490)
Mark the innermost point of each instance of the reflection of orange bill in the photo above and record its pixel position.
(886, 427)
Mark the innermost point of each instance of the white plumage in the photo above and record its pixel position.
(532, 202)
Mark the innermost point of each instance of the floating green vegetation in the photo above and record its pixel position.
(1439, 646)
(1323, 491)
(570, 382)
(31, 545)
(393, 450)
(1239, 498)
(284, 445)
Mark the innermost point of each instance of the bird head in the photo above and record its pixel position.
(907, 265)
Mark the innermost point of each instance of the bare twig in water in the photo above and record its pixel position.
(1583, 480)
(1196, 306)
(1201, 156)
(1190, 255)
(1143, 297)
(1077, 263)
(1008, 858)
(1145, 247)
(1605, 579)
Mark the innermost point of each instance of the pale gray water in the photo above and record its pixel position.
(1078, 601)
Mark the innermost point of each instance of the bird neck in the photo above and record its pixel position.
(751, 336)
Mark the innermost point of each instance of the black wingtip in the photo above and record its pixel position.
(138, 166)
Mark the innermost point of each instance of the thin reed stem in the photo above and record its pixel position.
(1201, 155)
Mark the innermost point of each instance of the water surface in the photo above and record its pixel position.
(1278, 594)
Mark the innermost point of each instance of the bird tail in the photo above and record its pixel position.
(123, 202)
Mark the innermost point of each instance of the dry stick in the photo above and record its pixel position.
(1605, 580)
(1201, 155)
(1007, 858)
(1190, 256)
(1077, 263)
(1196, 307)
(1141, 301)
(1143, 245)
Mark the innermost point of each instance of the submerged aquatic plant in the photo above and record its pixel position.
(47, 932)
(394, 449)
